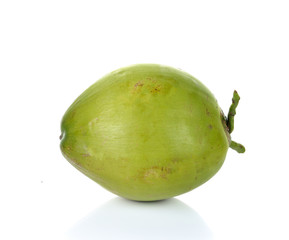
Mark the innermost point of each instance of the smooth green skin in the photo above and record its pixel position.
(146, 132)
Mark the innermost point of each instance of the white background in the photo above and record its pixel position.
(51, 51)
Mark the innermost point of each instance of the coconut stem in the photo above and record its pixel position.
(237, 147)
(232, 111)
(230, 122)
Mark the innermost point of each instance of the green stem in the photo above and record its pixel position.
(237, 146)
(232, 111)
(230, 122)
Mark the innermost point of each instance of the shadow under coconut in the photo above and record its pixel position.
(123, 219)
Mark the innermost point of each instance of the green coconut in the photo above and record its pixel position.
(148, 132)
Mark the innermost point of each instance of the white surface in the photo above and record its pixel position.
(51, 51)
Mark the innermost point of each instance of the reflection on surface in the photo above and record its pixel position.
(124, 219)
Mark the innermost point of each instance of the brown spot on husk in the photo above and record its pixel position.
(154, 172)
(139, 83)
(156, 89)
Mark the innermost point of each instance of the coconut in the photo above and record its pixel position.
(148, 132)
